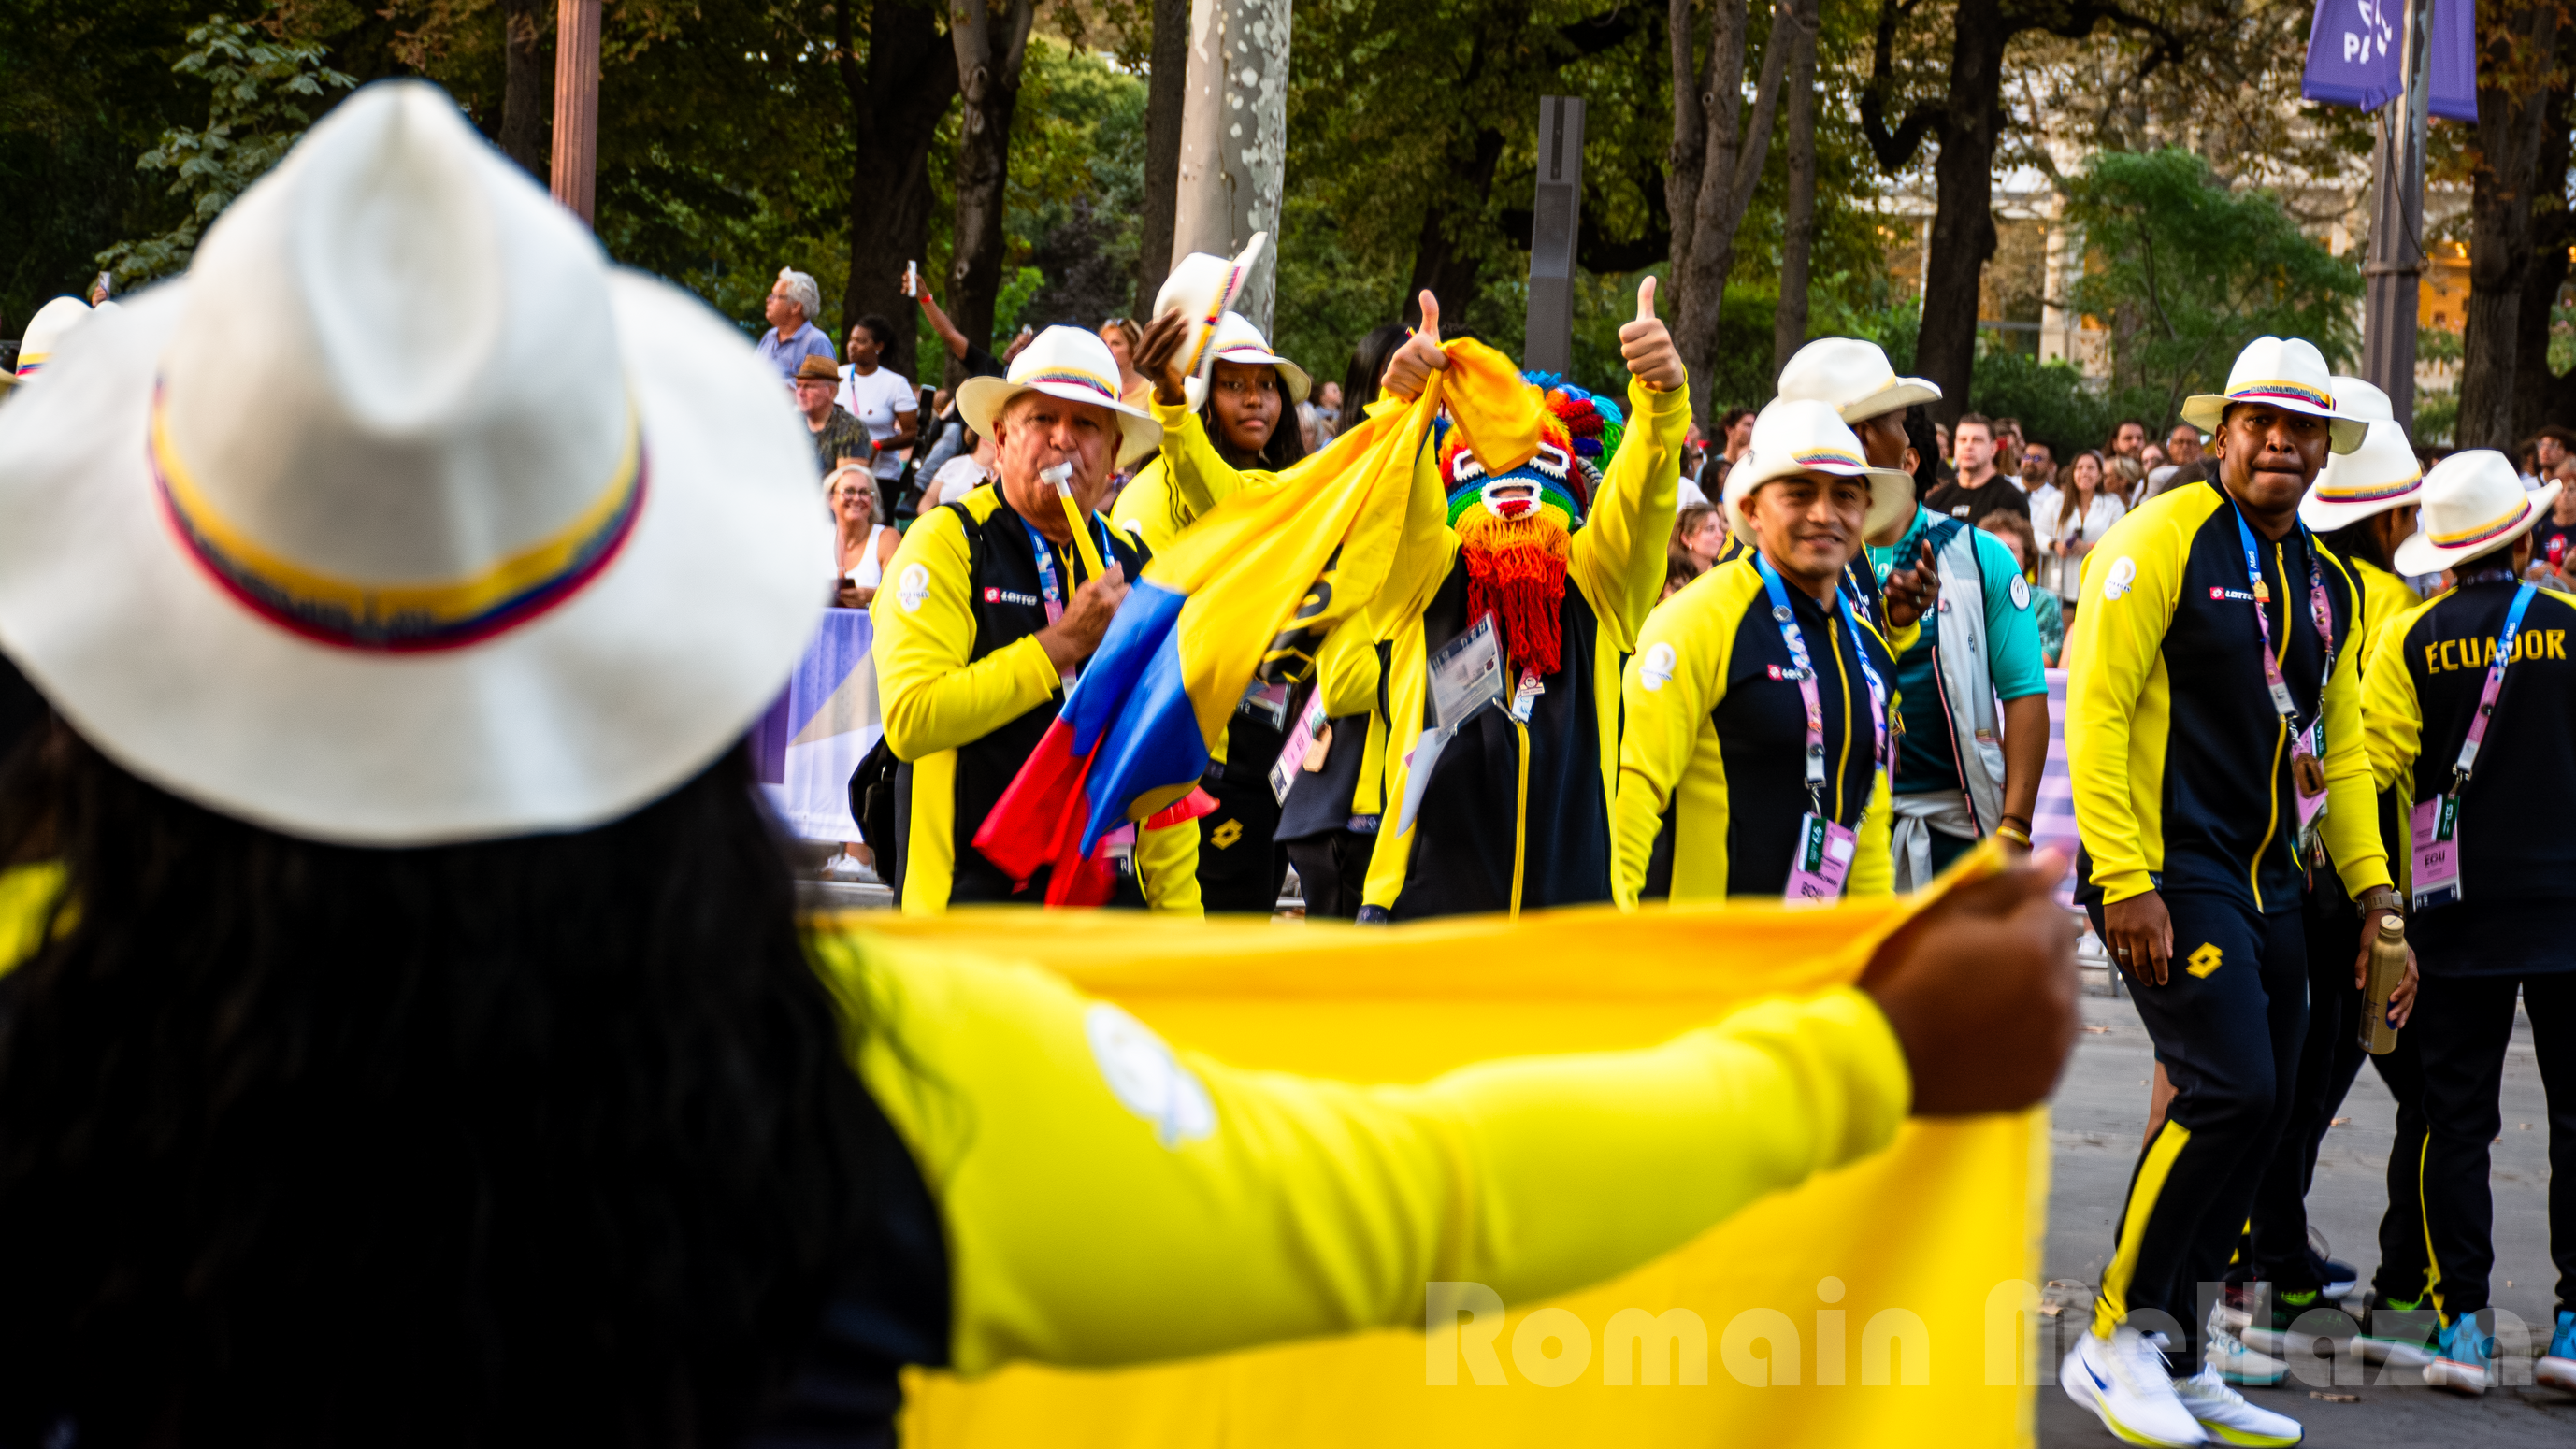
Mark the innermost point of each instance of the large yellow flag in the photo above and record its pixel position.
(1891, 1302)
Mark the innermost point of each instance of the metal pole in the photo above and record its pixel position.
(576, 159)
(1556, 218)
(2395, 266)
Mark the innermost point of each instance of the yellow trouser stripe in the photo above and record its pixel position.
(1520, 821)
(2112, 1304)
(2432, 1262)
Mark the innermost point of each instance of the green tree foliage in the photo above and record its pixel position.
(2187, 270)
(2056, 404)
(265, 93)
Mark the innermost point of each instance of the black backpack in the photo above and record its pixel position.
(872, 802)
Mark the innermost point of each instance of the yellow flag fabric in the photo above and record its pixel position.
(1890, 1302)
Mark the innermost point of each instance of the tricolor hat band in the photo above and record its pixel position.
(2369, 492)
(1080, 377)
(1828, 458)
(401, 618)
(2279, 391)
(2470, 537)
(30, 366)
(1217, 303)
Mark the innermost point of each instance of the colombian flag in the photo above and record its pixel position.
(1249, 590)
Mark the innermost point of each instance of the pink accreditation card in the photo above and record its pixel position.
(2436, 827)
(1822, 860)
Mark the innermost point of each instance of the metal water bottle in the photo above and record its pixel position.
(2387, 968)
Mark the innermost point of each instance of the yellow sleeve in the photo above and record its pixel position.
(932, 697)
(1408, 685)
(2119, 632)
(1181, 485)
(27, 896)
(1669, 748)
(1873, 871)
(1146, 510)
(1617, 557)
(2391, 714)
(2351, 824)
(1093, 1183)
(1167, 869)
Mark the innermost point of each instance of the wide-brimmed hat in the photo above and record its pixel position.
(2359, 397)
(1069, 363)
(1854, 377)
(815, 367)
(2379, 475)
(1804, 435)
(2282, 372)
(402, 518)
(2472, 503)
(1237, 340)
(1202, 288)
(53, 322)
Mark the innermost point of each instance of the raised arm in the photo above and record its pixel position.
(1617, 558)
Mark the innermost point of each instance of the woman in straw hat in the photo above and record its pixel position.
(357, 1088)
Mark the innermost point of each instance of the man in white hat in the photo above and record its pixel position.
(2213, 729)
(2361, 508)
(989, 610)
(2470, 695)
(1754, 756)
(1965, 766)
(794, 301)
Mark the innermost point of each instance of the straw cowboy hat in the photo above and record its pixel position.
(1203, 288)
(1069, 363)
(46, 330)
(1237, 340)
(2473, 502)
(2284, 372)
(403, 518)
(1853, 376)
(2379, 475)
(1804, 435)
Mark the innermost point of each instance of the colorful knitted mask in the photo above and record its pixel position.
(1514, 527)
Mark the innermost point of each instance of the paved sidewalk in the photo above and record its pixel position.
(2100, 1114)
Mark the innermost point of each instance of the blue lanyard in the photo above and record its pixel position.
(1803, 665)
(2494, 686)
(1056, 595)
(2319, 609)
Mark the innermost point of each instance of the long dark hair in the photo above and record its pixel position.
(1368, 364)
(2359, 541)
(1927, 451)
(1285, 445)
(535, 1141)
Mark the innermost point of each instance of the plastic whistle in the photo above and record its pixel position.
(1061, 475)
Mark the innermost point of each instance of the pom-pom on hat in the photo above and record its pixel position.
(1579, 431)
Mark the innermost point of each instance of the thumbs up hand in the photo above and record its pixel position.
(1652, 358)
(1410, 369)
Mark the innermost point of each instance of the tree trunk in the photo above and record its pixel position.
(527, 88)
(1166, 89)
(896, 102)
(1963, 222)
(1234, 139)
(1439, 267)
(2540, 396)
(991, 48)
(1798, 225)
(1716, 160)
(2511, 119)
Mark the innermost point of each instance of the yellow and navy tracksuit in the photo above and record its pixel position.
(1518, 814)
(967, 692)
(2182, 782)
(2509, 931)
(1712, 768)
(1240, 866)
(2277, 1249)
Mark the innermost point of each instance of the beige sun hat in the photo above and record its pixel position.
(1069, 363)
(2473, 502)
(1853, 376)
(1804, 435)
(2283, 372)
(1203, 289)
(403, 518)
(2379, 475)
(53, 322)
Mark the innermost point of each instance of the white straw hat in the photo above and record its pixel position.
(402, 518)
(53, 322)
(1237, 340)
(1069, 363)
(2357, 397)
(2379, 475)
(2473, 502)
(1803, 435)
(2283, 372)
(1854, 376)
(1203, 289)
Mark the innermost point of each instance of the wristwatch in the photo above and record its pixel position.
(2382, 900)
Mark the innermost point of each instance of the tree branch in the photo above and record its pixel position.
(1894, 150)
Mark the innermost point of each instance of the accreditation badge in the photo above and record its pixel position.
(1822, 860)
(2435, 825)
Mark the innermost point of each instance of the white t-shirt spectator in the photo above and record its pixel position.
(874, 400)
(2064, 574)
(956, 478)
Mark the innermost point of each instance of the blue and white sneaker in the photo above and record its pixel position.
(2227, 1418)
(2224, 1352)
(2464, 1359)
(2123, 1380)
(2557, 1368)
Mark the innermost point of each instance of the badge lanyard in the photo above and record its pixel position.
(2307, 775)
(2436, 822)
(1803, 664)
(1047, 586)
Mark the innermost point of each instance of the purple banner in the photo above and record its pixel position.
(2354, 53)
(2452, 92)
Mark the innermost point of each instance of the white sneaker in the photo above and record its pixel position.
(2123, 1380)
(2227, 1418)
(2464, 1361)
(2394, 1352)
(2238, 1363)
(2556, 1372)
